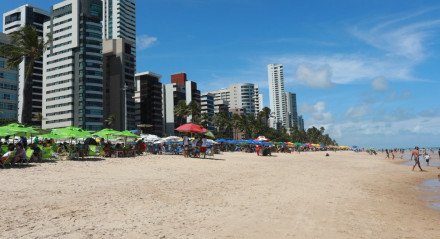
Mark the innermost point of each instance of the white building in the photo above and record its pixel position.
(73, 87)
(28, 108)
(119, 19)
(244, 96)
(292, 112)
(277, 97)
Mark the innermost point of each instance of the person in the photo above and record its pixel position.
(10, 153)
(415, 153)
(388, 154)
(204, 145)
(258, 148)
(36, 154)
(194, 145)
(185, 145)
(20, 153)
(439, 153)
(427, 158)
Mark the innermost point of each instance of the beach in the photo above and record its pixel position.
(237, 195)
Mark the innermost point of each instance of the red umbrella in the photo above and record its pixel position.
(262, 138)
(191, 128)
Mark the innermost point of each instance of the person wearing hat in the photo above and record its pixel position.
(415, 153)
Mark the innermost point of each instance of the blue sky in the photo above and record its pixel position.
(368, 71)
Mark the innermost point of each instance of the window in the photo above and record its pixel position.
(2, 64)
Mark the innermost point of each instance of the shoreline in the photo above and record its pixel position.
(239, 195)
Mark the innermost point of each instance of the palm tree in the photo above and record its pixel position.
(181, 111)
(28, 46)
(222, 121)
(195, 111)
(110, 120)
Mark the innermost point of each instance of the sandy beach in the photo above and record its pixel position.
(238, 195)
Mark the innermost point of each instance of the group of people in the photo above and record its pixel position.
(196, 147)
(15, 153)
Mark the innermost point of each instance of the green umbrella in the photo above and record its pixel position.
(5, 132)
(50, 136)
(71, 132)
(107, 133)
(209, 134)
(18, 129)
(128, 134)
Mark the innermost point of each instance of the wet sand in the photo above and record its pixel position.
(238, 195)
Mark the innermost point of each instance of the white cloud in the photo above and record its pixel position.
(357, 111)
(145, 41)
(314, 77)
(380, 84)
(318, 112)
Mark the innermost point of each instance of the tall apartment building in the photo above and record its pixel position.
(277, 97)
(72, 76)
(207, 107)
(180, 89)
(300, 122)
(149, 103)
(8, 86)
(292, 112)
(119, 32)
(29, 98)
(119, 19)
(239, 96)
(118, 83)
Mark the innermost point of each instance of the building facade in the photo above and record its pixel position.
(277, 97)
(118, 84)
(73, 81)
(180, 89)
(207, 108)
(119, 20)
(301, 123)
(149, 103)
(8, 87)
(29, 101)
(292, 112)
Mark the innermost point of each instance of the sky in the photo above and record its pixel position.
(367, 71)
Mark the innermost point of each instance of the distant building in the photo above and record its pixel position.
(277, 97)
(29, 108)
(118, 83)
(149, 103)
(8, 87)
(180, 89)
(244, 95)
(207, 107)
(292, 113)
(301, 122)
(73, 76)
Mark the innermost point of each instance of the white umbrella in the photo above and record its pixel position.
(150, 137)
(173, 139)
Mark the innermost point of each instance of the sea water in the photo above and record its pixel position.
(432, 188)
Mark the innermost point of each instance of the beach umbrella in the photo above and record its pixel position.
(150, 137)
(71, 132)
(191, 128)
(173, 139)
(4, 132)
(18, 129)
(262, 138)
(209, 134)
(107, 133)
(49, 136)
(127, 134)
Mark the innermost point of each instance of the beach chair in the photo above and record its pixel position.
(92, 151)
(29, 153)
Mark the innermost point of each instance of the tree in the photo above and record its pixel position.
(110, 120)
(28, 46)
(223, 123)
(181, 111)
(195, 111)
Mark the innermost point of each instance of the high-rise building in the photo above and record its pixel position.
(30, 95)
(277, 97)
(118, 83)
(149, 103)
(119, 19)
(119, 27)
(300, 122)
(8, 86)
(292, 113)
(180, 89)
(244, 96)
(73, 82)
(207, 107)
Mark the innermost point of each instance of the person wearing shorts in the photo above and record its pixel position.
(427, 158)
(185, 146)
(415, 153)
(203, 146)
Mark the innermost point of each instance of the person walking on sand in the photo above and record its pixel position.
(185, 145)
(427, 158)
(415, 153)
(388, 154)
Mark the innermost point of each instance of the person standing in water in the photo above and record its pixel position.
(415, 153)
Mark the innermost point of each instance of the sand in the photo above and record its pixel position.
(346, 195)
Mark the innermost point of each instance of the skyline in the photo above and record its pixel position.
(380, 56)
